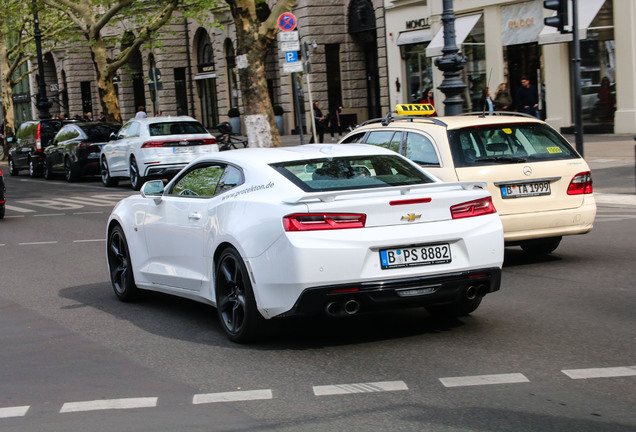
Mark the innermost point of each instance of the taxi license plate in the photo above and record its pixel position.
(525, 190)
(182, 149)
(415, 256)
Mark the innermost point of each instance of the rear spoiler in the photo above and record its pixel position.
(404, 190)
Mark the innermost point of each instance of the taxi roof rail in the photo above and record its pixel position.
(498, 113)
(390, 117)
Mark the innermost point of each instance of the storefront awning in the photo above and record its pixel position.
(587, 11)
(463, 26)
(414, 37)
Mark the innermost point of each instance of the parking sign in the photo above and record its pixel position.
(291, 56)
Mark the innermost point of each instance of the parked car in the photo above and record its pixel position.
(3, 194)
(541, 187)
(153, 147)
(264, 233)
(75, 149)
(32, 137)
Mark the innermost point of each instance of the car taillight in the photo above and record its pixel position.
(410, 201)
(84, 144)
(581, 184)
(38, 138)
(149, 144)
(323, 221)
(209, 141)
(473, 208)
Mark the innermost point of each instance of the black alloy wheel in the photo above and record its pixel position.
(70, 171)
(107, 180)
(136, 179)
(121, 270)
(48, 172)
(235, 302)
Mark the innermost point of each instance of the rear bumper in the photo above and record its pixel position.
(555, 223)
(394, 293)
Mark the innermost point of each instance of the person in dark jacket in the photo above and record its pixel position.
(527, 98)
(319, 122)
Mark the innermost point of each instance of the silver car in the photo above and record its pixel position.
(153, 148)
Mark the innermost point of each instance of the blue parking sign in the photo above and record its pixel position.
(291, 56)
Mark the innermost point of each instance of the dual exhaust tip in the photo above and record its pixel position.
(348, 307)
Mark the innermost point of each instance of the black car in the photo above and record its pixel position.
(30, 141)
(2, 195)
(75, 149)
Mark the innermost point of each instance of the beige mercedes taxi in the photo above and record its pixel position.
(540, 185)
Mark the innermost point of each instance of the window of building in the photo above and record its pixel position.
(419, 72)
(474, 73)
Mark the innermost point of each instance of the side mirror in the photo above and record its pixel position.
(153, 189)
(113, 136)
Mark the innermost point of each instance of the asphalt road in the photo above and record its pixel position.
(554, 350)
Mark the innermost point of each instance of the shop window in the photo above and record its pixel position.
(419, 72)
(474, 73)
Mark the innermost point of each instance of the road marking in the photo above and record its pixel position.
(360, 388)
(19, 411)
(609, 372)
(235, 396)
(49, 214)
(36, 243)
(19, 209)
(109, 404)
(484, 380)
(87, 213)
(90, 240)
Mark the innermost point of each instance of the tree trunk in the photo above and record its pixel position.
(105, 75)
(7, 99)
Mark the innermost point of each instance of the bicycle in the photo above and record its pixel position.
(227, 140)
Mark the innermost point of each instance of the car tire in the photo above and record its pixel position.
(13, 171)
(541, 247)
(70, 171)
(107, 180)
(48, 172)
(120, 267)
(33, 171)
(457, 309)
(235, 301)
(136, 179)
(2, 210)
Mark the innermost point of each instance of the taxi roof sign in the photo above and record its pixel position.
(415, 109)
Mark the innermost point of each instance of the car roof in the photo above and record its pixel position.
(150, 120)
(268, 155)
(452, 122)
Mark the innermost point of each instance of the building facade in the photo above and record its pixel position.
(505, 40)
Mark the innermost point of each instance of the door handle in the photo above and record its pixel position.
(194, 216)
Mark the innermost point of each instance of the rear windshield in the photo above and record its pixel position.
(176, 128)
(351, 172)
(99, 131)
(509, 143)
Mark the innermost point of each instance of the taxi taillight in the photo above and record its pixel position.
(323, 221)
(581, 184)
(478, 207)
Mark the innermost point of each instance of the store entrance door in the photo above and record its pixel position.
(524, 60)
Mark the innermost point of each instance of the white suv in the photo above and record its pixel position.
(541, 187)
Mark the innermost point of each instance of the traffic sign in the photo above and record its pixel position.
(291, 56)
(287, 22)
(293, 67)
(290, 46)
(291, 36)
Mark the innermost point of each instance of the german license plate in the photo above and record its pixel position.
(525, 189)
(415, 256)
(182, 149)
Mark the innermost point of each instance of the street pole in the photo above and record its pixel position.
(42, 103)
(576, 63)
(297, 107)
(451, 63)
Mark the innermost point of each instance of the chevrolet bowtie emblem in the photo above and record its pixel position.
(411, 217)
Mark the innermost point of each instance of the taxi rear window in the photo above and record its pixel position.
(508, 143)
(351, 172)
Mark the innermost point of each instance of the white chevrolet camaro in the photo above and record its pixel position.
(153, 147)
(276, 232)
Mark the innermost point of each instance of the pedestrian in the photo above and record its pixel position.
(141, 112)
(319, 124)
(503, 100)
(88, 116)
(486, 101)
(430, 101)
(102, 117)
(334, 120)
(527, 98)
